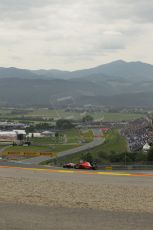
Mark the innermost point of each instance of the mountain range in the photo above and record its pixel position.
(117, 84)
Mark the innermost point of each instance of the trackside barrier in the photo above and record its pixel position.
(30, 153)
(126, 167)
(108, 167)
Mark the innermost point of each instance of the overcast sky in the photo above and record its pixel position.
(74, 34)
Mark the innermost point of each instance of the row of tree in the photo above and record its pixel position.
(61, 124)
(126, 157)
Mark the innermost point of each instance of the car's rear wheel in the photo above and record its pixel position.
(94, 167)
(76, 167)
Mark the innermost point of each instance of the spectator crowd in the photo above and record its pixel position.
(138, 133)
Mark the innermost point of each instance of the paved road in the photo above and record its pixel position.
(91, 145)
(35, 160)
(26, 217)
(122, 173)
(132, 178)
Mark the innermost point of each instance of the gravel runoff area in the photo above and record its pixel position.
(97, 192)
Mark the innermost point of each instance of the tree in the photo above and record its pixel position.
(56, 137)
(43, 126)
(150, 154)
(141, 156)
(87, 118)
(64, 124)
(88, 157)
(30, 129)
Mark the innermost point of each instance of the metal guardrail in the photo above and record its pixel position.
(141, 166)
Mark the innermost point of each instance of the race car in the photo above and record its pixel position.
(69, 165)
(85, 165)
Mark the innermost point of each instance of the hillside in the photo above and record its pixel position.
(42, 92)
(117, 70)
(118, 83)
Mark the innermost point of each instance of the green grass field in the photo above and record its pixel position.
(72, 135)
(38, 149)
(50, 144)
(87, 135)
(36, 114)
(114, 142)
(29, 149)
(43, 140)
(120, 116)
(60, 148)
(57, 114)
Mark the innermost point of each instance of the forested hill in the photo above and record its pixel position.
(118, 83)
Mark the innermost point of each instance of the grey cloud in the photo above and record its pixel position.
(67, 28)
(23, 9)
(91, 10)
(135, 11)
(26, 4)
(140, 10)
(16, 58)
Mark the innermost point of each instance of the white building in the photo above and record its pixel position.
(9, 136)
(146, 147)
(35, 135)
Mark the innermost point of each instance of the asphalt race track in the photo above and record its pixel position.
(35, 167)
(96, 142)
(89, 203)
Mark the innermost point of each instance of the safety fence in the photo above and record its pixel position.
(146, 165)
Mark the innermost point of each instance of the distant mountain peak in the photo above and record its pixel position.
(120, 61)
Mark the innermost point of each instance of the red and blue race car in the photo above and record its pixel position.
(85, 165)
(69, 165)
(81, 165)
